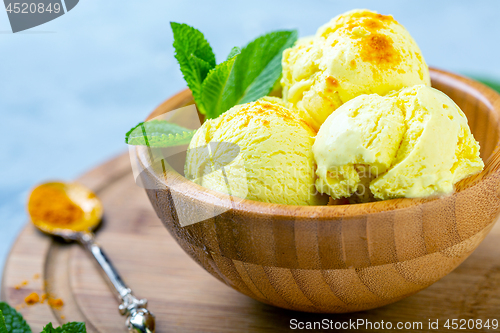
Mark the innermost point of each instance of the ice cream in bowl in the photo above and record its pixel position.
(369, 179)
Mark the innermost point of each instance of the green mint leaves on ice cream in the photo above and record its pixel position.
(248, 74)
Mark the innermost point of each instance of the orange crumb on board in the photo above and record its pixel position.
(32, 298)
(63, 317)
(35, 298)
(22, 284)
(55, 302)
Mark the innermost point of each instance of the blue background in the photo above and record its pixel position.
(72, 87)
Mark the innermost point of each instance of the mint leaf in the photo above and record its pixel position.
(253, 74)
(213, 88)
(258, 67)
(158, 133)
(234, 52)
(48, 329)
(74, 327)
(3, 327)
(195, 56)
(200, 66)
(14, 321)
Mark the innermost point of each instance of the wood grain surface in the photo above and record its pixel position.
(186, 298)
(406, 248)
(333, 259)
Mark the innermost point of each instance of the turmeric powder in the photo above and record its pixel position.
(52, 205)
(55, 302)
(32, 298)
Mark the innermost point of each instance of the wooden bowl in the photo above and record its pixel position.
(346, 258)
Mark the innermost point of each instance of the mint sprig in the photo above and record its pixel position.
(74, 327)
(247, 75)
(158, 133)
(12, 321)
(251, 76)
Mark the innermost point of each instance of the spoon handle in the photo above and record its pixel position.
(130, 305)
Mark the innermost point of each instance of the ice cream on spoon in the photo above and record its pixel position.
(72, 211)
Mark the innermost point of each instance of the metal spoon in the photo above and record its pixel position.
(139, 319)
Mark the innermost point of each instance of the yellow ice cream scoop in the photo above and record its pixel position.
(437, 150)
(412, 143)
(259, 151)
(358, 140)
(358, 52)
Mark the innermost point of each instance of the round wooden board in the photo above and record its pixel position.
(184, 297)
